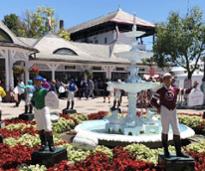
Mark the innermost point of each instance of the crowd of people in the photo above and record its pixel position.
(81, 88)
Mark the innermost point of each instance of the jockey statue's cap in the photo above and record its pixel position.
(167, 74)
(39, 78)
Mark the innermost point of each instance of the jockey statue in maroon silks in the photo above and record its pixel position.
(164, 100)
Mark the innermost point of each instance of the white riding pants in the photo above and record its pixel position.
(169, 117)
(28, 99)
(43, 119)
(71, 95)
(117, 95)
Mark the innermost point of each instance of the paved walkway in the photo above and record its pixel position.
(82, 106)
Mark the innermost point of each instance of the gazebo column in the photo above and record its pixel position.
(7, 72)
(4, 53)
(11, 54)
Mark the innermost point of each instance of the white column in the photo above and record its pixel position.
(7, 72)
(108, 70)
(53, 74)
(53, 68)
(4, 53)
(27, 71)
(11, 54)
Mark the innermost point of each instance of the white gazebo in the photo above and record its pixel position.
(12, 52)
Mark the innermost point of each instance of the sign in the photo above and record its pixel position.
(51, 100)
(195, 98)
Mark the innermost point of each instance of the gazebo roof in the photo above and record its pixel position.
(118, 16)
(16, 42)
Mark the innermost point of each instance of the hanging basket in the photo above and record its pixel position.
(18, 69)
(35, 70)
(88, 74)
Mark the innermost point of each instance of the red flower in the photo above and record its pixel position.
(98, 115)
(11, 157)
(122, 161)
(16, 121)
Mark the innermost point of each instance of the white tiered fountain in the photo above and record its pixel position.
(130, 128)
(131, 124)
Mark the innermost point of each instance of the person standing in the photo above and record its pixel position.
(46, 84)
(164, 100)
(2, 94)
(106, 92)
(19, 90)
(42, 115)
(117, 96)
(91, 88)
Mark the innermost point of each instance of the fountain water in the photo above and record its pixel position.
(118, 129)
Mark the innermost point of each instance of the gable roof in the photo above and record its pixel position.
(118, 16)
(86, 52)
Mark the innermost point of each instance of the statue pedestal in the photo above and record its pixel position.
(26, 116)
(1, 139)
(69, 111)
(176, 163)
(49, 158)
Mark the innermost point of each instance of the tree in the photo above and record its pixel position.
(180, 41)
(39, 22)
(64, 34)
(13, 22)
(35, 24)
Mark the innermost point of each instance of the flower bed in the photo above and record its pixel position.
(195, 122)
(21, 139)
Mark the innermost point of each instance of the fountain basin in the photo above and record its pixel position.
(96, 130)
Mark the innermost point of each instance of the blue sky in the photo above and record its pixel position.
(77, 11)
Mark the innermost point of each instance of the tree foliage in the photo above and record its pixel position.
(64, 34)
(39, 22)
(13, 22)
(180, 41)
(35, 24)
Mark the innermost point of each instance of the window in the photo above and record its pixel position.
(69, 67)
(120, 69)
(65, 51)
(96, 68)
(4, 37)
